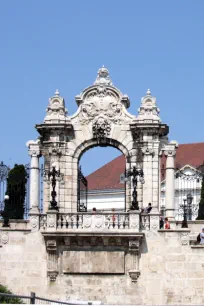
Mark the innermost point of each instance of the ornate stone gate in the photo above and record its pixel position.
(102, 119)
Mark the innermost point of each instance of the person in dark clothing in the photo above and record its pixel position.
(161, 222)
(149, 208)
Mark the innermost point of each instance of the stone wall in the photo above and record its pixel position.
(172, 271)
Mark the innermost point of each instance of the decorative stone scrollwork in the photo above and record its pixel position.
(4, 237)
(134, 245)
(102, 99)
(87, 221)
(51, 245)
(51, 221)
(101, 127)
(34, 220)
(52, 275)
(134, 221)
(184, 238)
(55, 150)
(134, 275)
(98, 221)
(154, 223)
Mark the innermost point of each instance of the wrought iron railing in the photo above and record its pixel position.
(6, 298)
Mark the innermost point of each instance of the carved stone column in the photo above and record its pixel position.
(34, 152)
(170, 152)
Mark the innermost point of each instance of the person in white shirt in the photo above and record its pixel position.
(202, 237)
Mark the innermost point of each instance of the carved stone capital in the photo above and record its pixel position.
(170, 153)
(33, 148)
(148, 151)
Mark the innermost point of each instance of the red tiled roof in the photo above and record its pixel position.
(108, 176)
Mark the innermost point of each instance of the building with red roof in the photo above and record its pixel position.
(106, 186)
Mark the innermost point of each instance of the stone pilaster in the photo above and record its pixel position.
(147, 168)
(134, 249)
(170, 152)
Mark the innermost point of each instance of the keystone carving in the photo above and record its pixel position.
(101, 128)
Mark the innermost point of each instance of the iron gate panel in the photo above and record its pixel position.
(82, 192)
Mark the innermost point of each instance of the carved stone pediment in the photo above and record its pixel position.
(102, 99)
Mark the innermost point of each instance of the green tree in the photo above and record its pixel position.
(16, 190)
(201, 203)
(8, 300)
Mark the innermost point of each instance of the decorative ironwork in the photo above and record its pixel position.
(185, 183)
(53, 174)
(188, 184)
(82, 192)
(189, 200)
(4, 170)
(5, 213)
(135, 174)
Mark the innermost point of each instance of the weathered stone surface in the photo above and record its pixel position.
(93, 262)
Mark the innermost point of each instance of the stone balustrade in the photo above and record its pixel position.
(100, 221)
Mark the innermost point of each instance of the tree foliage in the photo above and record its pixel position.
(16, 190)
(8, 300)
(201, 203)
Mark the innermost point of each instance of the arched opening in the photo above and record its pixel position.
(104, 170)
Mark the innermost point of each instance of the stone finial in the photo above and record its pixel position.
(57, 92)
(56, 111)
(103, 77)
(148, 111)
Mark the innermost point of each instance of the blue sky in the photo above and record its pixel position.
(61, 44)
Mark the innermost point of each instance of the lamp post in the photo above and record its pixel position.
(135, 174)
(189, 200)
(54, 174)
(5, 212)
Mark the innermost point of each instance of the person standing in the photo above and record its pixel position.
(202, 237)
(161, 222)
(167, 224)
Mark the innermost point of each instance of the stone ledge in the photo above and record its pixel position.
(174, 230)
(8, 229)
(199, 246)
(93, 233)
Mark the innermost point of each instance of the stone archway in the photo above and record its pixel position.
(103, 142)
